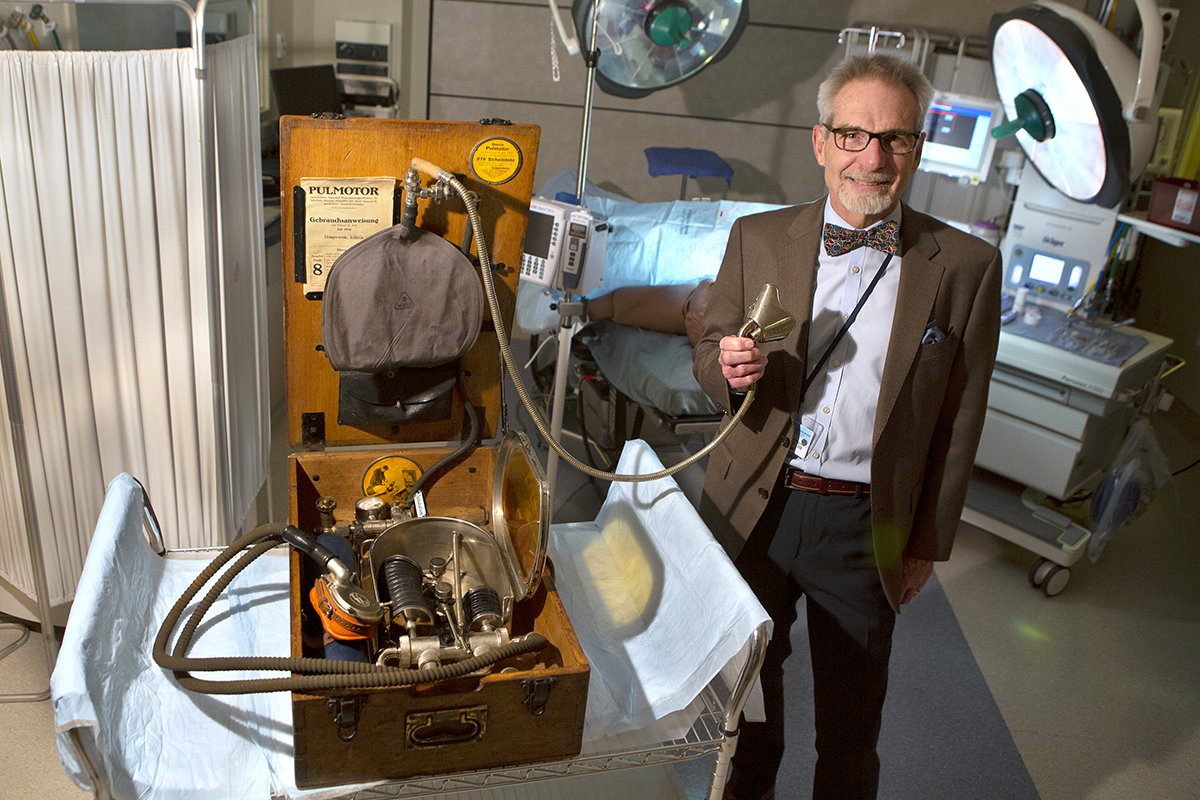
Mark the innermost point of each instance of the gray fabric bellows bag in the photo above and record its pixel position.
(390, 302)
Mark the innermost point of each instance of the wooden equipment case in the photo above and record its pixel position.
(530, 708)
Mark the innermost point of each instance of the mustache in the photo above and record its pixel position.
(876, 176)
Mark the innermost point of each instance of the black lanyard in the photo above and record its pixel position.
(845, 327)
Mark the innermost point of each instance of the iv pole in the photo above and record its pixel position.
(568, 308)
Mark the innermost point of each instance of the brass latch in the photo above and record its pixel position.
(345, 711)
(537, 692)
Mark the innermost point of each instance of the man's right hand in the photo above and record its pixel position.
(742, 363)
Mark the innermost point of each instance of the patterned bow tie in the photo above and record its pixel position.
(884, 238)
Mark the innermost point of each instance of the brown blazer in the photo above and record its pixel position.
(932, 397)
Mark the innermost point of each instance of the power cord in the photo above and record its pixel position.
(1185, 469)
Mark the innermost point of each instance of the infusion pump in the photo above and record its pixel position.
(565, 246)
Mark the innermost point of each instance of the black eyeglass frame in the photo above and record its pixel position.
(886, 147)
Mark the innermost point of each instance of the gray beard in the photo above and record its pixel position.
(869, 206)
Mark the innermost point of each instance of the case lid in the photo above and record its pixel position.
(327, 162)
(521, 512)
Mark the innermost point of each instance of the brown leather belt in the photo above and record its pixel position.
(812, 483)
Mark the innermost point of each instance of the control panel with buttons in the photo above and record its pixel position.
(1050, 274)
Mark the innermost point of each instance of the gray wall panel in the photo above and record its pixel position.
(513, 62)
(771, 76)
(755, 108)
(784, 170)
(902, 15)
(500, 50)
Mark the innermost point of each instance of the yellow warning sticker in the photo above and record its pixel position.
(496, 160)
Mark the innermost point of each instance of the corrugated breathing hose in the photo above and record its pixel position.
(316, 673)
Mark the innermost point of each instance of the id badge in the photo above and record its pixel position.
(804, 438)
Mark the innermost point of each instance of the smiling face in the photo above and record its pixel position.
(865, 187)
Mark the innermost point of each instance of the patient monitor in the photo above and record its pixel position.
(956, 136)
(565, 246)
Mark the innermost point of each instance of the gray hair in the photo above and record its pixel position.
(888, 69)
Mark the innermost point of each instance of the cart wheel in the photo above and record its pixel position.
(1055, 580)
(1039, 571)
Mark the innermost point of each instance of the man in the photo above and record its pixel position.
(848, 490)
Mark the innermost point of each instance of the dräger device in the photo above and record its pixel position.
(1055, 247)
(565, 246)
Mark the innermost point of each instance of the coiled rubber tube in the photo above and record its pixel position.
(315, 674)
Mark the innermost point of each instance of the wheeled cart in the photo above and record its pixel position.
(126, 729)
(376, 469)
(1061, 400)
(1019, 514)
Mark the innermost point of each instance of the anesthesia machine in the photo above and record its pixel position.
(1067, 383)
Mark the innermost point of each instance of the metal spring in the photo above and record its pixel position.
(403, 579)
(482, 608)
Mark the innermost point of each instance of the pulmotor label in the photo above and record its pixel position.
(496, 160)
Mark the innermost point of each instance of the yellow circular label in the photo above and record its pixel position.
(389, 478)
(496, 160)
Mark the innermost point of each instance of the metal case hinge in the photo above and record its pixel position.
(345, 712)
(312, 430)
(537, 693)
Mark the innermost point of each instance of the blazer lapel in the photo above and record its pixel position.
(920, 279)
(798, 260)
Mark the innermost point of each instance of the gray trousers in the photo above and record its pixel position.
(819, 547)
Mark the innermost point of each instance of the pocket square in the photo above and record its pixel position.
(933, 334)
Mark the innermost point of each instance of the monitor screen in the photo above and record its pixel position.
(306, 90)
(957, 136)
(537, 234)
(1046, 269)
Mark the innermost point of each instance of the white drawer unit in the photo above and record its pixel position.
(1060, 403)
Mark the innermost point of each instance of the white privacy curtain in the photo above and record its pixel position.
(137, 322)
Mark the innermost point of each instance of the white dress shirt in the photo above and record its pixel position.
(839, 406)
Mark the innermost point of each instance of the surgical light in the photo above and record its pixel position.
(646, 46)
(1078, 100)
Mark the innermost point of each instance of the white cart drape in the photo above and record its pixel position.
(135, 302)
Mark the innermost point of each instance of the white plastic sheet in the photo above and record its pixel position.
(156, 739)
(656, 603)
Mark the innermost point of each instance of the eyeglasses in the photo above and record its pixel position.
(855, 140)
